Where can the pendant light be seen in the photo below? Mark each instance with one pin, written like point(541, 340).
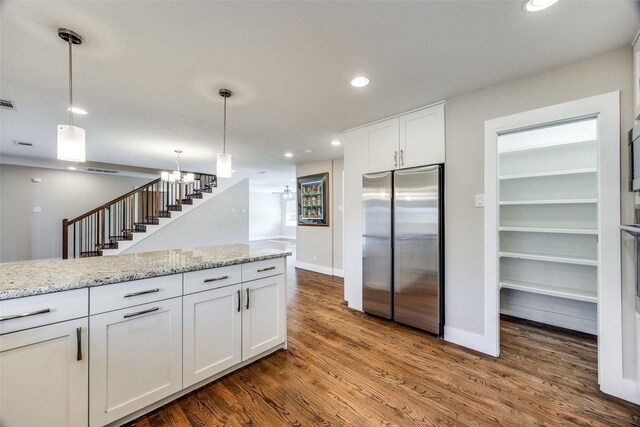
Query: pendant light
point(287, 194)
point(223, 166)
point(71, 145)
point(177, 175)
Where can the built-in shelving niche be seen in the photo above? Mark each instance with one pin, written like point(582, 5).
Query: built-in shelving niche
point(548, 229)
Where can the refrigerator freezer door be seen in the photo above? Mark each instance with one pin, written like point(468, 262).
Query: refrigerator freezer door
point(376, 244)
point(417, 290)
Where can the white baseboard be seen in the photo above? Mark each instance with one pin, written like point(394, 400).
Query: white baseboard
point(338, 272)
point(252, 239)
point(316, 268)
point(470, 340)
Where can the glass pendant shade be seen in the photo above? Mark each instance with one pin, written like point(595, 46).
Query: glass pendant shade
point(223, 169)
point(71, 143)
point(189, 178)
point(164, 176)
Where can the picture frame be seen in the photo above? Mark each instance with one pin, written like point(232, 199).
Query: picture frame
point(313, 200)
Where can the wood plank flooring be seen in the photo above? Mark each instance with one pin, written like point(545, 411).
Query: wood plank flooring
point(345, 368)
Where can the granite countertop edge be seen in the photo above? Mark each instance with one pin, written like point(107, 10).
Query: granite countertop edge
point(73, 285)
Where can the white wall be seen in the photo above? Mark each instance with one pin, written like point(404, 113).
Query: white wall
point(465, 117)
point(222, 219)
point(288, 232)
point(319, 248)
point(25, 235)
point(265, 215)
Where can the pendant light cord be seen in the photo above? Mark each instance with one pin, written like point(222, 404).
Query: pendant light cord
point(224, 132)
point(70, 85)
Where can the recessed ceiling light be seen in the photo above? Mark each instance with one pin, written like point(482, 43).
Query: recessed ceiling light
point(336, 142)
point(72, 168)
point(288, 154)
point(293, 180)
point(537, 5)
point(361, 81)
point(76, 110)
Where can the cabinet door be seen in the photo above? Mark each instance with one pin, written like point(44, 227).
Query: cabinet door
point(136, 358)
point(212, 332)
point(382, 143)
point(42, 382)
point(264, 316)
point(422, 137)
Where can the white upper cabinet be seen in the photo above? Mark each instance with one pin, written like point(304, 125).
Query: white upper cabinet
point(44, 376)
point(412, 139)
point(382, 142)
point(422, 137)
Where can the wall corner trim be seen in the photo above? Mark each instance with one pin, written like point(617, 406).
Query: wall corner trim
point(470, 340)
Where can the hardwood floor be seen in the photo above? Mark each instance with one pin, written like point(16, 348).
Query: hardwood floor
point(346, 368)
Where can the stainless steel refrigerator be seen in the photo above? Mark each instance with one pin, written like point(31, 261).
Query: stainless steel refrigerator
point(403, 246)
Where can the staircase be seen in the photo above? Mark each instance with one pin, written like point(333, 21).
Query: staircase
point(124, 221)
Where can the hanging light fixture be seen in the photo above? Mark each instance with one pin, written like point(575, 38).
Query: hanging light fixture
point(71, 145)
point(176, 175)
point(223, 165)
point(287, 194)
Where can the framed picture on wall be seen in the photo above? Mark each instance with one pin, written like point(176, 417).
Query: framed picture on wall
point(313, 200)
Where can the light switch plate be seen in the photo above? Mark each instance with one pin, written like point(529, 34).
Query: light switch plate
point(479, 200)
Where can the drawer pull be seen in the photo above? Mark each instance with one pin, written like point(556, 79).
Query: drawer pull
point(247, 298)
point(260, 270)
point(135, 294)
point(18, 316)
point(79, 344)
point(215, 279)
point(151, 310)
point(239, 301)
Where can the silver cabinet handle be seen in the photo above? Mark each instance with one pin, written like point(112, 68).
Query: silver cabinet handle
point(247, 299)
point(18, 316)
point(215, 279)
point(395, 158)
point(135, 294)
point(239, 302)
point(401, 157)
point(79, 344)
point(151, 310)
point(260, 270)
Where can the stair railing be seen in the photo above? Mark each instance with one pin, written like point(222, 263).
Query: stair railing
point(103, 227)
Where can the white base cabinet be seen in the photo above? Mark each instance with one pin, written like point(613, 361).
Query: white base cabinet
point(136, 358)
point(264, 315)
point(212, 332)
point(42, 382)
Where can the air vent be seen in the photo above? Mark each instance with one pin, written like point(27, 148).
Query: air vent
point(23, 143)
point(262, 172)
point(98, 170)
point(5, 103)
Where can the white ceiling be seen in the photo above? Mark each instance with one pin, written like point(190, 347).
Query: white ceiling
point(149, 72)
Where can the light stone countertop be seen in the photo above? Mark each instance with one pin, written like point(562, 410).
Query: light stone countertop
point(41, 277)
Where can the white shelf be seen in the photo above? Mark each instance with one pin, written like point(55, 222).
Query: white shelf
point(551, 230)
point(543, 146)
point(551, 290)
point(551, 258)
point(549, 202)
point(549, 173)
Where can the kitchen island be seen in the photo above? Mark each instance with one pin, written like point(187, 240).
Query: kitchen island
point(100, 341)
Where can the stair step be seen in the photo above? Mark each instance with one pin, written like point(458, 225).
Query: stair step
point(206, 190)
point(174, 207)
point(164, 214)
point(196, 195)
point(87, 254)
point(112, 245)
point(127, 236)
point(135, 230)
point(187, 201)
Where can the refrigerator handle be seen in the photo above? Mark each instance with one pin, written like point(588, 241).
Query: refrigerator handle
point(395, 158)
point(401, 157)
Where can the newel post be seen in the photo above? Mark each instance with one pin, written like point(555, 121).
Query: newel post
point(65, 238)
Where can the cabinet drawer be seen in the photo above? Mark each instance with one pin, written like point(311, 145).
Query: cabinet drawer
point(213, 278)
point(260, 269)
point(39, 310)
point(129, 294)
